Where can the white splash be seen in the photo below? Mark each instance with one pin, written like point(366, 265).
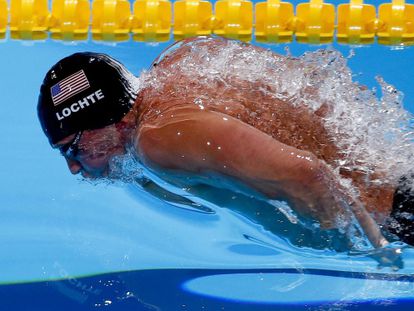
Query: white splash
point(371, 132)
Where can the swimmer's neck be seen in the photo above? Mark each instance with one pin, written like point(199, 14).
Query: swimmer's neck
point(134, 115)
point(128, 125)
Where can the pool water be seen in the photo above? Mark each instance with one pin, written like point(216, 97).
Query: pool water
point(70, 244)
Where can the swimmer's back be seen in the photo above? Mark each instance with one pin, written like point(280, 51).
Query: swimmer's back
point(184, 80)
point(180, 80)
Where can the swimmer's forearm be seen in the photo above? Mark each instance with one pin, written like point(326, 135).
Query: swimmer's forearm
point(369, 226)
point(365, 220)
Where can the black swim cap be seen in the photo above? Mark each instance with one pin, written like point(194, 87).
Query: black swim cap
point(402, 215)
point(84, 91)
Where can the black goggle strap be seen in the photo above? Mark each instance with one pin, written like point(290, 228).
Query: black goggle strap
point(70, 148)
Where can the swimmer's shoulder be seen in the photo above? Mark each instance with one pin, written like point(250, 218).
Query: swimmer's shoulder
point(184, 48)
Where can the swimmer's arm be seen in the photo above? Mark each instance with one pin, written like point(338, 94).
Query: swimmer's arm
point(208, 141)
point(202, 141)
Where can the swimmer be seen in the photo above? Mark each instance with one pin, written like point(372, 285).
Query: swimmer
point(92, 109)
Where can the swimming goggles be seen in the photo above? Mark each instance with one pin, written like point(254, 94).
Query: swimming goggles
point(70, 150)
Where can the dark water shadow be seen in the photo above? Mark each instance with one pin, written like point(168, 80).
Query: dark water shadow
point(163, 290)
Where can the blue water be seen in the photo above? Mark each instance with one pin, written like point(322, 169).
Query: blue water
point(68, 244)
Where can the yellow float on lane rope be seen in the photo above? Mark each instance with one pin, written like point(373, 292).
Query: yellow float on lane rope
point(70, 19)
point(151, 20)
point(29, 19)
point(356, 22)
point(3, 18)
point(111, 20)
point(273, 19)
point(192, 18)
point(234, 19)
point(398, 23)
point(315, 22)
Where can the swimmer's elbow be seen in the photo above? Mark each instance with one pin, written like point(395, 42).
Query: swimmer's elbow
point(317, 170)
point(306, 168)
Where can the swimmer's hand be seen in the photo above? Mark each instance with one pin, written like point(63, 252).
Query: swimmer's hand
point(319, 194)
point(200, 141)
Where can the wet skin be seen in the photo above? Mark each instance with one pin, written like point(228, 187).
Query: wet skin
point(95, 149)
point(287, 156)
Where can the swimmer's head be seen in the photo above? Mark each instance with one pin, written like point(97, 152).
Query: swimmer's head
point(84, 91)
point(402, 216)
point(83, 104)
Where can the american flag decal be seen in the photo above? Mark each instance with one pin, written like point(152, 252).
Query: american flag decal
point(68, 87)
